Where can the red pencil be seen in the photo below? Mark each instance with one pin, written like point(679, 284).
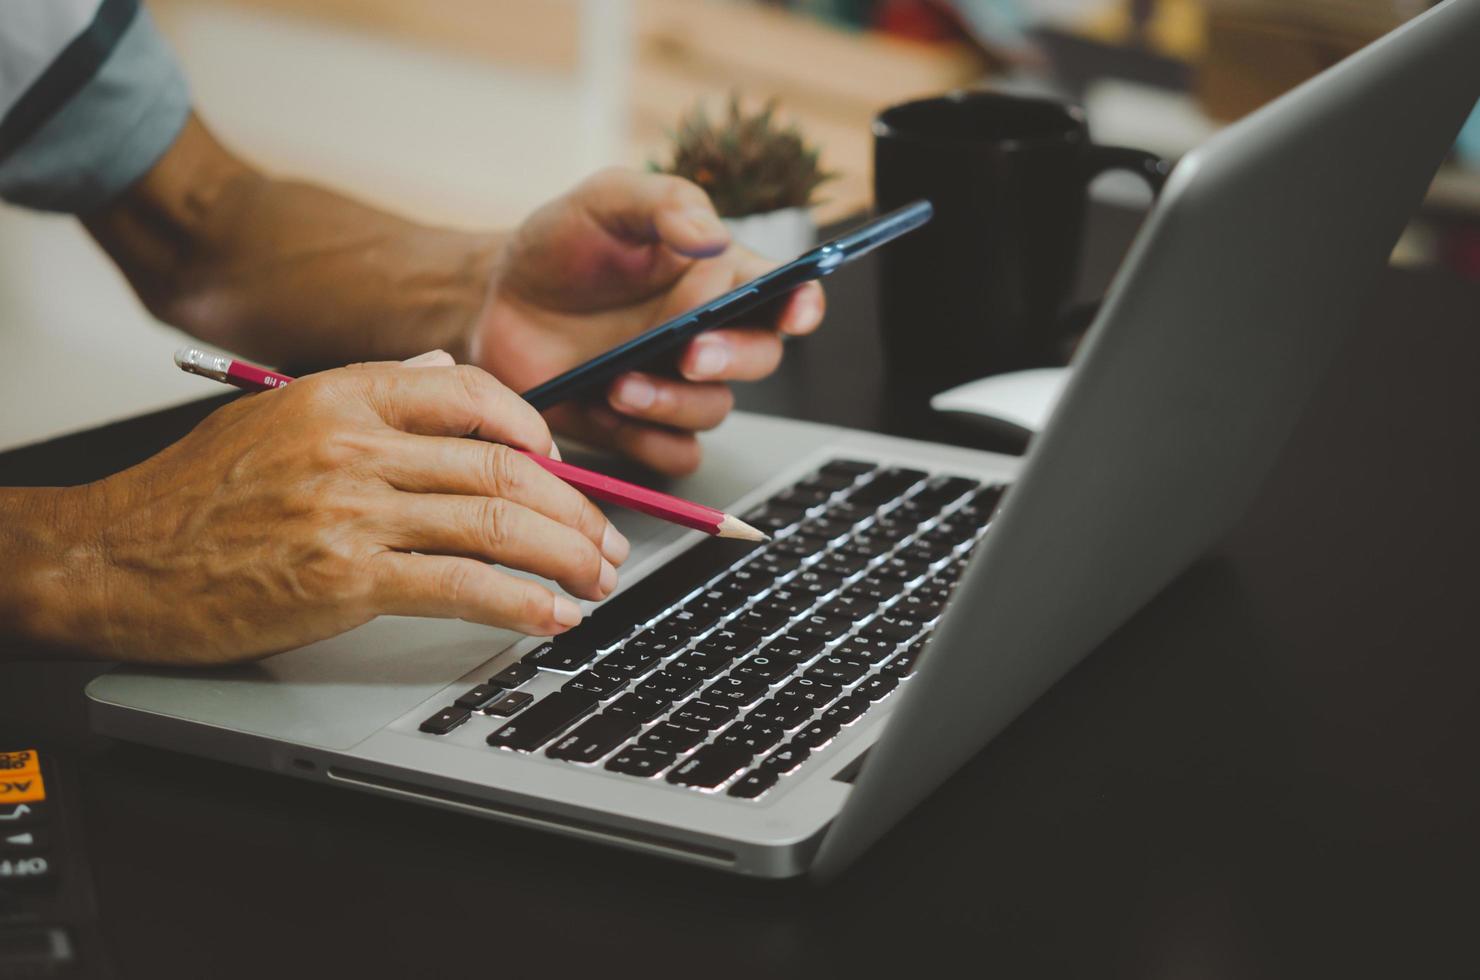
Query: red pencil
point(664, 506)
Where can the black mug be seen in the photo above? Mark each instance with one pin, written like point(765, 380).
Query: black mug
point(983, 288)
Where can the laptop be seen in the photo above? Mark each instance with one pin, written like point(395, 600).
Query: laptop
point(771, 710)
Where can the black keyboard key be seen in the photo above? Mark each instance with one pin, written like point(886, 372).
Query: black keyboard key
point(786, 759)
point(780, 714)
point(702, 714)
point(904, 664)
point(593, 738)
point(892, 529)
point(801, 495)
point(709, 767)
point(845, 711)
point(765, 668)
point(543, 720)
point(773, 517)
point(627, 663)
point(852, 467)
point(788, 600)
point(641, 760)
point(762, 619)
point(919, 606)
point(870, 648)
point(810, 692)
point(751, 736)
point(737, 691)
point(876, 589)
point(716, 602)
point(899, 569)
point(515, 675)
point(667, 687)
point(830, 528)
point(657, 592)
point(797, 546)
point(982, 507)
point(814, 583)
point(510, 704)
point(885, 486)
point(561, 656)
point(598, 685)
point(853, 608)
point(774, 564)
point(844, 510)
point(876, 687)
point(746, 581)
point(658, 644)
point(865, 546)
point(798, 649)
point(445, 720)
point(753, 784)
point(700, 666)
point(479, 696)
point(926, 551)
point(944, 490)
point(639, 708)
point(815, 735)
point(841, 564)
point(672, 737)
point(837, 670)
point(733, 643)
point(686, 622)
point(893, 627)
point(821, 627)
point(830, 480)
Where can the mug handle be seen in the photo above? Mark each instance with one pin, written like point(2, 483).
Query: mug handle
point(1148, 166)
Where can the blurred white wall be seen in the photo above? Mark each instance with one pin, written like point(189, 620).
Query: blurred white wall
point(439, 137)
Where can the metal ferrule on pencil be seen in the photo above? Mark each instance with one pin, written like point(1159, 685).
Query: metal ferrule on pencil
point(197, 361)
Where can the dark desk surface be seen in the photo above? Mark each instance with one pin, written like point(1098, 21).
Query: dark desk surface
point(1269, 772)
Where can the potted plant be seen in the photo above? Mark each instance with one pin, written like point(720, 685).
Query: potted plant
point(761, 175)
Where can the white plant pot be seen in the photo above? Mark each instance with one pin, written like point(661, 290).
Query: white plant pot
point(781, 235)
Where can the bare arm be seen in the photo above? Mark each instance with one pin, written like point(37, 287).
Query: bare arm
point(288, 272)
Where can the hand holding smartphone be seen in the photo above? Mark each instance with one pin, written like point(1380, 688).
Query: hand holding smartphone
point(774, 285)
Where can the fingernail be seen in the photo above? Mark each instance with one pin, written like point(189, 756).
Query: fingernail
point(566, 612)
point(608, 577)
point(706, 223)
point(808, 313)
point(636, 393)
point(614, 545)
point(430, 357)
point(555, 453)
point(711, 358)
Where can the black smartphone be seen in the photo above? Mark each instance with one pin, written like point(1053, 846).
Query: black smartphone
point(775, 285)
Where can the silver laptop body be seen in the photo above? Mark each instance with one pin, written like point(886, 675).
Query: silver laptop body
point(1243, 283)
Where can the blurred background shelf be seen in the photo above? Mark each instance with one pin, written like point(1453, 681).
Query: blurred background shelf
point(473, 112)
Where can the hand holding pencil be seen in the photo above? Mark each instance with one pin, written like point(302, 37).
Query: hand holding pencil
point(675, 510)
point(296, 515)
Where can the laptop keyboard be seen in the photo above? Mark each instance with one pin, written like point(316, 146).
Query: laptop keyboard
point(730, 687)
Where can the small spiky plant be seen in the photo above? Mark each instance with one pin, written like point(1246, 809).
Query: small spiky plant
point(748, 163)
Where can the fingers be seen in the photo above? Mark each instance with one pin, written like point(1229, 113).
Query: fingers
point(501, 531)
point(465, 588)
point(732, 354)
point(647, 208)
point(668, 451)
point(663, 401)
point(452, 401)
point(481, 470)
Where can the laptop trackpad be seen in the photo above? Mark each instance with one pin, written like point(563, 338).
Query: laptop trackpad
point(331, 694)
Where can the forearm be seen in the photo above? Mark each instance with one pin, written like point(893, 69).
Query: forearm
point(48, 590)
point(287, 272)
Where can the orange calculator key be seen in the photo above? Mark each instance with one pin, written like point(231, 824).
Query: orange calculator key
point(20, 777)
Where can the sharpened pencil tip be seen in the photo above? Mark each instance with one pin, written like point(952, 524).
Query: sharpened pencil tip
point(734, 527)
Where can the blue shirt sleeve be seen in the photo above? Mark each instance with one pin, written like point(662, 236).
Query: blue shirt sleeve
point(102, 113)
